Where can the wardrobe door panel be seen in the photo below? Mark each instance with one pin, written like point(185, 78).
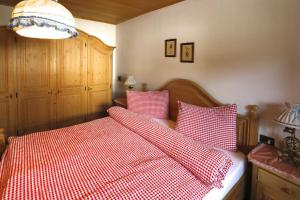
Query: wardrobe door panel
point(7, 78)
point(99, 102)
point(36, 84)
point(99, 78)
point(69, 109)
point(35, 113)
point(36, 66)
point(98, 67)
point(71, 81)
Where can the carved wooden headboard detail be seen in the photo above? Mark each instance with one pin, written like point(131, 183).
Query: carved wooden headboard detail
point(189, 92)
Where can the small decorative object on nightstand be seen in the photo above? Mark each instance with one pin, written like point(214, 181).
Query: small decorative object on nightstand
point(273, 179)
point(130, 82)
point(122, 102)
point(290, 118)
point(144, 87)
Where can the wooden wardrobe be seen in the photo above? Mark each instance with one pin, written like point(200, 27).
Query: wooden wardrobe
point(47, 84)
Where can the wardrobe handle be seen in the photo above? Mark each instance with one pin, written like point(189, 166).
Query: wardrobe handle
point(50, 92)
point(89, 88)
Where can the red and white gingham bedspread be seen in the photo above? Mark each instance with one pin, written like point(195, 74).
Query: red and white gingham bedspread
point(102, 159)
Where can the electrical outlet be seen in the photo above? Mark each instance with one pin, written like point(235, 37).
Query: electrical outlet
point(119, 78)
point(266, 140)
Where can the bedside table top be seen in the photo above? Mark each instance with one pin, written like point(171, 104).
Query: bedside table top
point(121, 101)
point(266, 156)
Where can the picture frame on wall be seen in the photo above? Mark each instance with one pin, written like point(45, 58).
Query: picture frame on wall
point(187, 52)
point(170, 47)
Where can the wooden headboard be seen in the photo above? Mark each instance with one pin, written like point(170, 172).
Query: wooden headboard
point(189, 92)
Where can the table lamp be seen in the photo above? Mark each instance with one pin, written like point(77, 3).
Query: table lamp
point(130, 82)
point(290, 118)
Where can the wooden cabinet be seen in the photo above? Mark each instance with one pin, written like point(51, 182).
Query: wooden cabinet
point(46, 84)
point(270, 186)
point(7, 82)
point(99, 78)
point(36, 84)
point(72, 81)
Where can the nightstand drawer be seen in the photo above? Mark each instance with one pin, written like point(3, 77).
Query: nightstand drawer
point(277, 187)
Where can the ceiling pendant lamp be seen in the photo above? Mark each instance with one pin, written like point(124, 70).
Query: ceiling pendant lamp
point(44, 19)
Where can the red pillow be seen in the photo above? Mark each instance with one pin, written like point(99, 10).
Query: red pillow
point(212, 126)
point(153, 103)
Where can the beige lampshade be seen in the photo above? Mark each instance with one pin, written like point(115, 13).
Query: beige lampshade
point(290, 117)
point(130, 81)
point(44, 19)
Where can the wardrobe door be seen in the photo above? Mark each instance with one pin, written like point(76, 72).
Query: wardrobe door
point(99, 78)
point(36, 84)
point(71, 81)
point(7, 78)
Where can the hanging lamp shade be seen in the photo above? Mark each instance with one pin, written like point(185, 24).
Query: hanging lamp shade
point(45, 19)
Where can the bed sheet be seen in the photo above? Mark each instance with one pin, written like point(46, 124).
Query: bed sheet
point(235, 172)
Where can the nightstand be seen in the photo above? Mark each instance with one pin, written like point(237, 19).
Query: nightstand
point(273, 179)
point(122, 102)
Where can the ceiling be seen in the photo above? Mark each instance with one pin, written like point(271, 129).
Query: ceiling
point(109, 11)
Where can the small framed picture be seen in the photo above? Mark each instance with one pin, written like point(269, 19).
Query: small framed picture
point(170, 48)
point(187, 52)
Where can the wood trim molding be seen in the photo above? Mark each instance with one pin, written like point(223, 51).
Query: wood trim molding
point(108, 47)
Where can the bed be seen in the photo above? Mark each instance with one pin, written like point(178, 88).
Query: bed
point(123, 156)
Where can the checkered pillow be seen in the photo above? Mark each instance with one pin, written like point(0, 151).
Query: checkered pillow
point(153, 103)
point(212, 126)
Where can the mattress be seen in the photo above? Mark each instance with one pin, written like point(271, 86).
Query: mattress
point(235, 172)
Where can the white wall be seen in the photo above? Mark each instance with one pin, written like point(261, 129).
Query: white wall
point(245, 51)
point(105, 32)
point(5, 13)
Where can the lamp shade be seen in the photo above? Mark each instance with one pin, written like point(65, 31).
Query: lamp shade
point(290, 117)
point(130, 81)
point(44, 19)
